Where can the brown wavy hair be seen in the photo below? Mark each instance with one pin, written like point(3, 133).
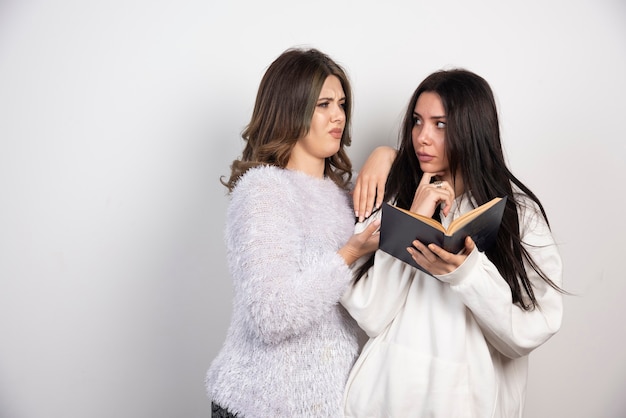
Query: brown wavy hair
point(283, 110)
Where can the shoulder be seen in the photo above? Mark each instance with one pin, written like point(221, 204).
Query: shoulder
point(525, 204)
point(287, 187)
point(277, 190)
point(261, 176)
point(261, 197)
point(263, 182)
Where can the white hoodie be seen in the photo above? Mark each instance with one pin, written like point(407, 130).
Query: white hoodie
point(454, 345)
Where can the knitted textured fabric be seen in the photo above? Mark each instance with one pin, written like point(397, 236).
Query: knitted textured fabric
point(290, 345)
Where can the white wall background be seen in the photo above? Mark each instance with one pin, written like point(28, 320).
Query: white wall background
point(117, 119)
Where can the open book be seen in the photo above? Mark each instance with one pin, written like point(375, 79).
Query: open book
point(399, 228)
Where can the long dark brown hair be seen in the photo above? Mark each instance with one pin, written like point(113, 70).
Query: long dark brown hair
point(283, 110)
point(474, 151)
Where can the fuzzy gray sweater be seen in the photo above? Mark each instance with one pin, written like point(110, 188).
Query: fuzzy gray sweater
point(290, 345)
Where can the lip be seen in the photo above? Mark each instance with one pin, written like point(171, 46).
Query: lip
point(336, 133)
point(424, 158)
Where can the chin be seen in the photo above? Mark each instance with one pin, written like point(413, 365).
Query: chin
point(334, 151)
point(432, 168)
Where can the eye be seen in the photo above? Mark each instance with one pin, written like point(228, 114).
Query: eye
point(441, 125)
point(323, 104)
point(417, 121)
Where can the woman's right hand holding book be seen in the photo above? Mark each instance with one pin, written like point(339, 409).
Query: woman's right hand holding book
point(362, 243)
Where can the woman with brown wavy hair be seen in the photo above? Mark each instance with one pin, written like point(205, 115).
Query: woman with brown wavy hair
point(289, 238)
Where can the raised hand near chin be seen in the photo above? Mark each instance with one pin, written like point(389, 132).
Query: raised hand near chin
point(429, 196)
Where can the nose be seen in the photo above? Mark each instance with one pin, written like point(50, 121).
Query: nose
point(338, 114)
point(421, 134)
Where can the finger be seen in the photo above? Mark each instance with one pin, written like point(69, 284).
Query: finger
point(440, 252)
point(426, 179)
point(446, 196)
point(356, 198)
point(425, 251)
point(380, 193)
point(418, 244)
point(363, 212)
point(446, 203)
point(416, 255)
point(454, 260)
point(469, 245)
point(356, 194)
point(421, 255)
point(372, 191)
point(373, 228)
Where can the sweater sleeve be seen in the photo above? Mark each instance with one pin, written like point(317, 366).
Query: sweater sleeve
point(281, 292)
point(513, 331)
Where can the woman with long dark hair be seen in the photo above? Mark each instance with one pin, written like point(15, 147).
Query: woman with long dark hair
point(456, 344)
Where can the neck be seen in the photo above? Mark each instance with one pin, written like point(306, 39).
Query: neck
point(459, 186)
point(312, 166)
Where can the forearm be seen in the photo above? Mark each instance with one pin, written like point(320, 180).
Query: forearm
point(510, 329)
point(287, 300)
point(285, 279)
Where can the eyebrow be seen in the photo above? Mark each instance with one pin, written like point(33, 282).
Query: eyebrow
point(330, 98)
point(432, 117)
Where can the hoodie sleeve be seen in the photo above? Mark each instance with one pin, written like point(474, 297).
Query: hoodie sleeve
point(513, 331)
point(375, 299)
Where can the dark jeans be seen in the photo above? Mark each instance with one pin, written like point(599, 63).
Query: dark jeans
point(219, 412)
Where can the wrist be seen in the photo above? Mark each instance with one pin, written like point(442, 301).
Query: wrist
point(349, 255)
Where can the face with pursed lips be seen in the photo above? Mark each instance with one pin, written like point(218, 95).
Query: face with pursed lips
point(327, 124)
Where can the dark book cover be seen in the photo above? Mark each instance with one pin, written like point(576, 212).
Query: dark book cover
point(399, 229)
